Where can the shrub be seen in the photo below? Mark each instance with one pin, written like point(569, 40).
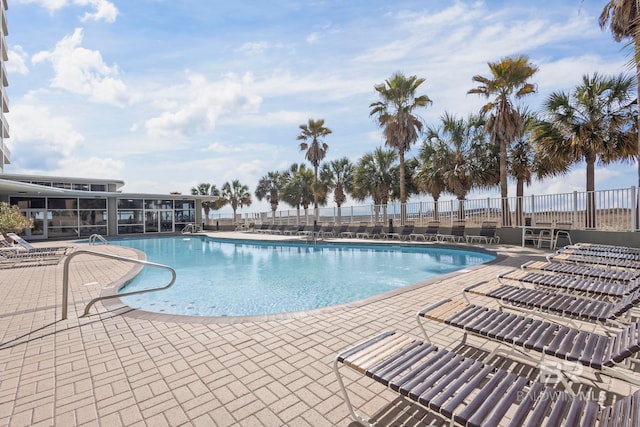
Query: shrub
point(12, 220)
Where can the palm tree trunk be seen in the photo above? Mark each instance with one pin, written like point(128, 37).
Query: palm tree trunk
point(461, 209)
point(436, 212)
point(519, 202)
point(637, 46)
point(590, 214)
point(403, 195)
point(506, 214)
point(315, 192)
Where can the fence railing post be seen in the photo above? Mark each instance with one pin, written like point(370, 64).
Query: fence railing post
point(634, 208)
point(575, 209)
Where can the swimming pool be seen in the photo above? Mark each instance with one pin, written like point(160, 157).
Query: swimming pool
point(244, 278)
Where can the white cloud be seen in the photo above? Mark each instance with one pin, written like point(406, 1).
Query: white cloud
point(17, 61)
point(83, 71)
point(95, 167)
point(40, 141)
point(197, 104)
point(36, 128)
point(226, 149)
point(104, 10)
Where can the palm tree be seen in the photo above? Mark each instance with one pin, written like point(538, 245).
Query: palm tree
point(313, 131)
point(269, 188)
point(297, 188)
point(525, 161)
point(621, 16)
point(337, 175)
point(593, 122)
point(508, 78)
point(206, 189)
point(236, 194)
point(430, 175)
point(375, 176)
point(460, 148)
point(395, 115)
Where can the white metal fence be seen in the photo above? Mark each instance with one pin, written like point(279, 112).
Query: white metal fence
point(612, 210)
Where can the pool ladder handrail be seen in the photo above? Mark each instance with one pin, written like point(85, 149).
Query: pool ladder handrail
point(94, 238)
point(65, 279)
point(190, 228)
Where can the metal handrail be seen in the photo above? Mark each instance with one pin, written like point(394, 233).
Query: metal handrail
point(190, 228)
point(65, 279)
point(94, 237)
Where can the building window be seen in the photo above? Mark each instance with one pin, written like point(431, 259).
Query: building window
point(28, 202)
point(55, 203)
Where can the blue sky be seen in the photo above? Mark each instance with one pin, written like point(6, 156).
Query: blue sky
point(167, 94)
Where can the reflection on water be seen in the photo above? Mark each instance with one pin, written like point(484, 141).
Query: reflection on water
point(225, 278)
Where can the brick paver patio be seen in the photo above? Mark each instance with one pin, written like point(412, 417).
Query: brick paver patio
point(122, 367)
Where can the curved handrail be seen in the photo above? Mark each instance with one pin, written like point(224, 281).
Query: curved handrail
point(65, 278)
point(94, 237)
point(190, 228)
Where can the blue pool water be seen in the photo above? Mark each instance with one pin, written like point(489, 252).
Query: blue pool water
point(243, 278)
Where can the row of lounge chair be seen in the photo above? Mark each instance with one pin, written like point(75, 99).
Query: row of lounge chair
point(434, 232)
point(20, 253)
point(471, 392)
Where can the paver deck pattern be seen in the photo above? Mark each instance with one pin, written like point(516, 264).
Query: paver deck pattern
point(119, 366)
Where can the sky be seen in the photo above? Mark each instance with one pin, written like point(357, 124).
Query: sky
point(165, 95)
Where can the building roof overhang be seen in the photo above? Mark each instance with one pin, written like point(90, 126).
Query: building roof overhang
point(16, 188)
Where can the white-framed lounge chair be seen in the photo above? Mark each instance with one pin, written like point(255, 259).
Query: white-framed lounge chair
point(264, 227)
point(327, 231)
point(61, 250)
point(11, 258)
point(535, 338)
point(278, 229)
point(487, 233)
point(376, 231)
point(339, 230)
point(404, 234)
point(601, 253)
point(469, 392)
point(605, 313)
point(604, 273)
point(348, 233)
point(296, 229)
point(594, 260)
point(430, 234)
point(315, 231)
point(456, 234)
point(608, 248)
point(566, 283)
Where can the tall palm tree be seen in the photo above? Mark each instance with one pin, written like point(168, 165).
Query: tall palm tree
point(622, 17)
point(461, 148)
point(375, 176)
point(509, 77)
point(206, 189)
point(236, 194)
point(337, 175)
point(297, 188)
point(526, 161)
point(395, 115)
point(593, 122)
point(430, 175)
point(311, 134)
point(269, 188)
